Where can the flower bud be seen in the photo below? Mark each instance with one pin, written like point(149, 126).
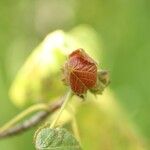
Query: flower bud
point(80, 72)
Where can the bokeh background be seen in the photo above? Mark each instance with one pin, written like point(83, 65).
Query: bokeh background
point(123, 29)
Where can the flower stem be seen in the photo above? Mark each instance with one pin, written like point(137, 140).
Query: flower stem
point(19, 117)
point(67, 98)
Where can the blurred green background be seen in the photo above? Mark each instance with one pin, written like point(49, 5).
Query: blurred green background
point(123, 26)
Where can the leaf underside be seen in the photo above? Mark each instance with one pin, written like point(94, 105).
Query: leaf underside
point(55, 139)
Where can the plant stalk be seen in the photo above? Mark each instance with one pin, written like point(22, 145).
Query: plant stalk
point(68, 97)
point(20, 116)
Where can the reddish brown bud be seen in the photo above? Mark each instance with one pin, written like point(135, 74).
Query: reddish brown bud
point(80, 72)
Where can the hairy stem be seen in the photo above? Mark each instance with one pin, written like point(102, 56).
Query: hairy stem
point(32, 121)
point(19, 117)
point(68, 97)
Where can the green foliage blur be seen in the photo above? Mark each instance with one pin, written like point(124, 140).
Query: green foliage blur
point(123, 32)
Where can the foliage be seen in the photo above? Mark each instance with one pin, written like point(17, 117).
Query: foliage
point(55, 139)
point(33, 75)
point(121, 29)
point(40, 73)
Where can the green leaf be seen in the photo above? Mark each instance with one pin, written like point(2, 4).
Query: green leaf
point(39, 79)
point(55, 139)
